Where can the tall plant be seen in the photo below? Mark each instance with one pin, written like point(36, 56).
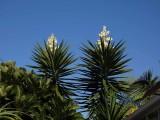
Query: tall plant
point(55, 62)
point(103, 66)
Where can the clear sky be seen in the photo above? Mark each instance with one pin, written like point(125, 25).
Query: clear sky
point(25, 22)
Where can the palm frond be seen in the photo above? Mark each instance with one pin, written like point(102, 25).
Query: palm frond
point(145, 87)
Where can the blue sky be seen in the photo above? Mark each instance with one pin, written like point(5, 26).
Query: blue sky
point(23, 23)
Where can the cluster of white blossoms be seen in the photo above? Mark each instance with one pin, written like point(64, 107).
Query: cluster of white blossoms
point(51, 42)
point(104, 37)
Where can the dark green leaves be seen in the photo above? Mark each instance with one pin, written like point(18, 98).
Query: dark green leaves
point(102, 63)
point(145, 87)
point(108, 108)
point(47, 94)
point(55, 64)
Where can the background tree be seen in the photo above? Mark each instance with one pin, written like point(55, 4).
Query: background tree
point(15, 89)
point(140, 87)
point(32, 97)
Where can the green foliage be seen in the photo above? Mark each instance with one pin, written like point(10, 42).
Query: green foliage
point(56, 65)
point(101, 87)
point(7, 113)
point(33, 95)
point(63, 109)
point(109, 109)
point(141, 87)
point(102, 67)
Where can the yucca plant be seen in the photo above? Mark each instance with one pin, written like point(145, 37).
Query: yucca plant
point(103, 63)
point(109, 108)
point(55, 62)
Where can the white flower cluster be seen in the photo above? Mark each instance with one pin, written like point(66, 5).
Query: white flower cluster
point(51, 42)
point(104, 37)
